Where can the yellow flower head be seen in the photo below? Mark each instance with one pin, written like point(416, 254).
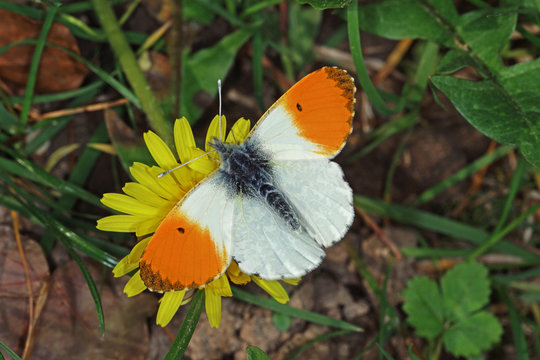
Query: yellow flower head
point(147, 201)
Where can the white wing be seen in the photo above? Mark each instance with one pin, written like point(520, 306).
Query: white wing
point(321, 197)
point(263, 245)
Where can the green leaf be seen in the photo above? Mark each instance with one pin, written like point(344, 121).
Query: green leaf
point(485, 32)
point(465, 289)
point(401, 19)
point(254, 353)
point(281, 321)
point(506, 109)
point(326, 4)
point(202, 71)
point(304, 23)
point(195, 10)
point(8, 121)
point(454, 60)
point(473, 335)
point(424, 306)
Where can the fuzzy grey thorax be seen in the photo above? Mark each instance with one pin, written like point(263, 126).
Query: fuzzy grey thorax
point(247, 170)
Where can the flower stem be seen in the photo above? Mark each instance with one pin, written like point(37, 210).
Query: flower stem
point(131, 68)
point(183, 336)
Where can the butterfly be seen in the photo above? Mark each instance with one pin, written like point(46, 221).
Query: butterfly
point(274, 203)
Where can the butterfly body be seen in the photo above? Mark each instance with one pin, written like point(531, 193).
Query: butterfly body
point(246, 170)
point(276, 201)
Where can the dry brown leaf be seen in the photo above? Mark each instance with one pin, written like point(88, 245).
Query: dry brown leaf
point(57, 71)
point(14, 305)
point(68, 327)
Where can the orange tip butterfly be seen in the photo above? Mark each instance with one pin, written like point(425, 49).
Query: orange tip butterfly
point(275, 202)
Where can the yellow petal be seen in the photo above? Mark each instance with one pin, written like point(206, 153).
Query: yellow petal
point(212, 302)
point(220, 286)
point(292, 281)
point(150, 225)
point(135, 285)
point(141, 173)
point(183, 139)
point(128, 205)
point(214, 132)
point(169, 182)
point(159, 151)
point(144, 195)
point(131, 261)
point(170, 302)
point(120, 223)
point(204, 165)
point(237, 276)
point(124, 266)
point(272, 287)
point(239, 131)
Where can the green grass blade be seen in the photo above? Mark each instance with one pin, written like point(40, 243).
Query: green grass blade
point(67, 237)
point(90, 283)
point(520, 342)
point(384, 132)
point(462, 174)
point(25, 168)
point(313, 341)
point(515, 184)
point(9, 351)
point(389, 181)
point(358, 58)
point(34, 65)
point(434, 253)
point(498, 236)
point(103, 75)
point(524, 275)
point(64, 95)
point(189, 324)
point(258, 52)
point(387, 356)
point(218, 10)
point(258, 6)
point(133, 72)
point(49, 127)
point(425, 220)
point(78, 176)
point(273, 305)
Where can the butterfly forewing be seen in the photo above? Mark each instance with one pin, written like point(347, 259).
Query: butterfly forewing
point(192, 246)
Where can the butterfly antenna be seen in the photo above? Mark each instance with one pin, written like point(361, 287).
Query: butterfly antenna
point(219, 113)
point(187, 162)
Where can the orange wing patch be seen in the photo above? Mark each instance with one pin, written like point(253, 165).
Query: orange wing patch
point(181, 255)
point(322, 105)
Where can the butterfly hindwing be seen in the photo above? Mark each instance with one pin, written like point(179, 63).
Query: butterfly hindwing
point(192, 245)
point(319, 194)
point(265, 246)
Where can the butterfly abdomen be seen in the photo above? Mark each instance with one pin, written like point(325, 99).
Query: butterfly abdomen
point(247, 172)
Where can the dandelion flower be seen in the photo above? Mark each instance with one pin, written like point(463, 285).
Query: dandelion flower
point(148, 200)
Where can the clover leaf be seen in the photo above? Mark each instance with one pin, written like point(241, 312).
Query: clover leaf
point(452, 313)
